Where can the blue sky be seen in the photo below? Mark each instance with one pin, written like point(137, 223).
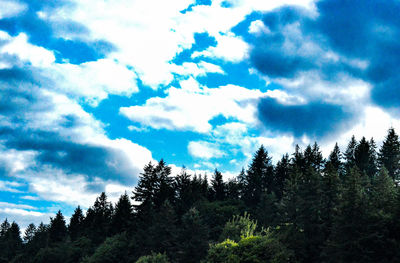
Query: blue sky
point(91, 91)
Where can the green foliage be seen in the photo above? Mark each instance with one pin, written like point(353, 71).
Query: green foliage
point(114, 249)
point(239, 227)
point(153, 258)
point(254, 249)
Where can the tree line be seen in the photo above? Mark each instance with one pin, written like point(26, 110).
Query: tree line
point(305, 208)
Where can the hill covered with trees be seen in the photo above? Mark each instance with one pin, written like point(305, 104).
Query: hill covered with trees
point(305, 208)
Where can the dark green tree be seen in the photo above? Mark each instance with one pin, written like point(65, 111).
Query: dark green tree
point(29, 233)
point(389, 154)
point(259, 178)
point(335, 160)
point(76, 224)
point(349, 155)
point(282, 170)
point(218, 187)
point(193, 238)
point(122, 218)
point(365, 157)
point(57, 229)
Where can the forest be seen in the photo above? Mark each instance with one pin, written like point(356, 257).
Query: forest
point(302, 208)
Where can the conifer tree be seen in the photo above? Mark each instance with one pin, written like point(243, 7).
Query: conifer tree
point(57, 229)
point(349, 154)
point(282, 170)
point(76, 225)
point(192, 238)
point(347, 241)
point(259, 177)
point(335, 160)
point(122, 218)
point(218, 186)
point(389, 154)
point(29, 233)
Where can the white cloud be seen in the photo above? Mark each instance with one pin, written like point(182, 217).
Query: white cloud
point(199, 69)
point(230, 48)
point(11, 8)
point(256, 27)
point(7, 186)
point(204, 150)
point(192, 107)
point(19, 46)
point(95, 80)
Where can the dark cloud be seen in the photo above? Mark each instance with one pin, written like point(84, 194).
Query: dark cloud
point(313, 119)
point(23, 103)
point(42, 33)
point(364, 35)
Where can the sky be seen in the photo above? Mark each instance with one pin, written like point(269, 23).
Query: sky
point(91, 91)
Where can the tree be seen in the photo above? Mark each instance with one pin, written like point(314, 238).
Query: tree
point(29, 233)
point(349, 154)
point(98, 219)
point(349, 233)
point(281, 175)
point(57, 229)
point(76, 227)
point(153, 258)
point(389, 154)
point(259, 177)
point(218, 186)
point(122, 218)
point(154, 188)
point(239, 227)
point(193, 238)
point(365, 157)
point(335, 160)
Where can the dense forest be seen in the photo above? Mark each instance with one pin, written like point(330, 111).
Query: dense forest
point(305, 208)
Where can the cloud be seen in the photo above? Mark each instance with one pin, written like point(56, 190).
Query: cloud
point(204, 150)
point(313, 119)
point(11, 8)
point(192, 106)
point(336, 39)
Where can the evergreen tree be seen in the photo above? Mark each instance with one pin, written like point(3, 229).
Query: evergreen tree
point(313, 157)
point(218, 190)
point(57, 229)
point(29, 233)
point(282, 170)
point(192, 238)
point(365, 157)
point(389, 154)
point(76, 224)
point(348, 237)
point(98, 219)
point(122, 218)
point(154, 188)
point(259, 177)
point(349, 155)
point(335, 160)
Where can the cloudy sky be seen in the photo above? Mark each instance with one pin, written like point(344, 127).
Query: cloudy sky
point(91, 91)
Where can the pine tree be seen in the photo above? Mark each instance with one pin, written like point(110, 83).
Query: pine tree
point(365, 157)
point(349, 155)
point(313, 157)
point(98, 219)
point(335, 160)
point(29, 233)
point(76, 224)
point(389, 154)
point(193, 236)
point(259, 177)
point(218, 186)
point(348, 237)
point(122, 218)
point(154, 188)
point(57, 229)
point(282, 170)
